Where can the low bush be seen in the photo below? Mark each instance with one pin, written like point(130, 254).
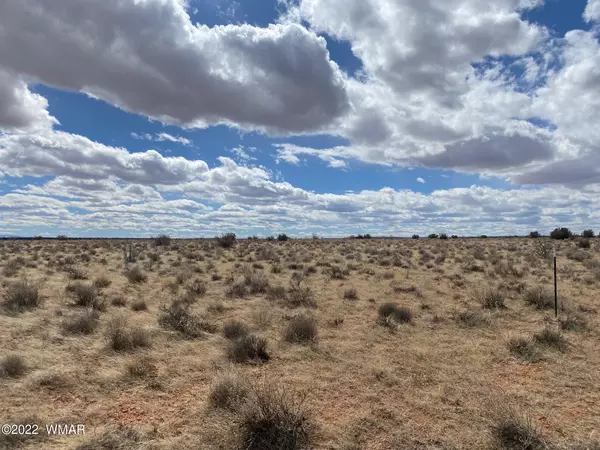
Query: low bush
point(300, 296)
point(85, 295)
point(350, 294)
point(135, 275)
point(21, 296)
point(492, 298)
point(539, 297)
point(139, 305)
point(177, 317)
point(122, 338)
point(524, 349)
point(301, 329)
point(390, 313)
point(234, 329)
point(84, 323)
point(12, 366)
point(551, 338)
point(472, 319)
point(229, 393)
point(249, 349)
point(511, 431)
point(275, 420)
point(141, 367)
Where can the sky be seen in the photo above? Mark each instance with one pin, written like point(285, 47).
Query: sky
point(331, 117)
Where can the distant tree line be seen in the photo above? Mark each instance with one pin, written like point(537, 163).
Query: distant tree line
point(227, 240)
point(564, 233)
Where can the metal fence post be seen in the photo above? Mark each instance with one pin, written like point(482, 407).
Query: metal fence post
point(555, 284)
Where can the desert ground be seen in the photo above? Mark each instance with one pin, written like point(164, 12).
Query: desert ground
point(302, 344)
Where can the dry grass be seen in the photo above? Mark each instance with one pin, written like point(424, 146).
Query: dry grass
point(21, 296)
point(196, 344)
point(273, 419)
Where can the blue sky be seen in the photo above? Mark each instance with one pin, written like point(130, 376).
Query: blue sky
point(310, 116)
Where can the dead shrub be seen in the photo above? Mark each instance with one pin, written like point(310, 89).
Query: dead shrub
point(177, 317)
point(139, 305)
point(551, 338)
point(573, 322)
point(492, 298)
point(512, 431)
point(85, 295)
point(539, 297)
point(302, 329)
point(273, 419)
point(524, 349)
point(21, 296)
point(84, 323)
point(141, 367)
point(234, 329)
point(472, 319)
point(300, 296)
point(390, 313)
point(350, 294)
point(102, 282)
point(12, 366)
point(249, 349)
point(119, 438)
point(229, 393)
point(135, 275)
point(122, 338)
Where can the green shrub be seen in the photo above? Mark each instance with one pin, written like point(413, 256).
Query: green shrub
point(561, 233)
point(226, 240)
point(162, 241)
point(588, 234)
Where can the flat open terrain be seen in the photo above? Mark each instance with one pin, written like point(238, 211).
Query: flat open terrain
point(181, 348)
